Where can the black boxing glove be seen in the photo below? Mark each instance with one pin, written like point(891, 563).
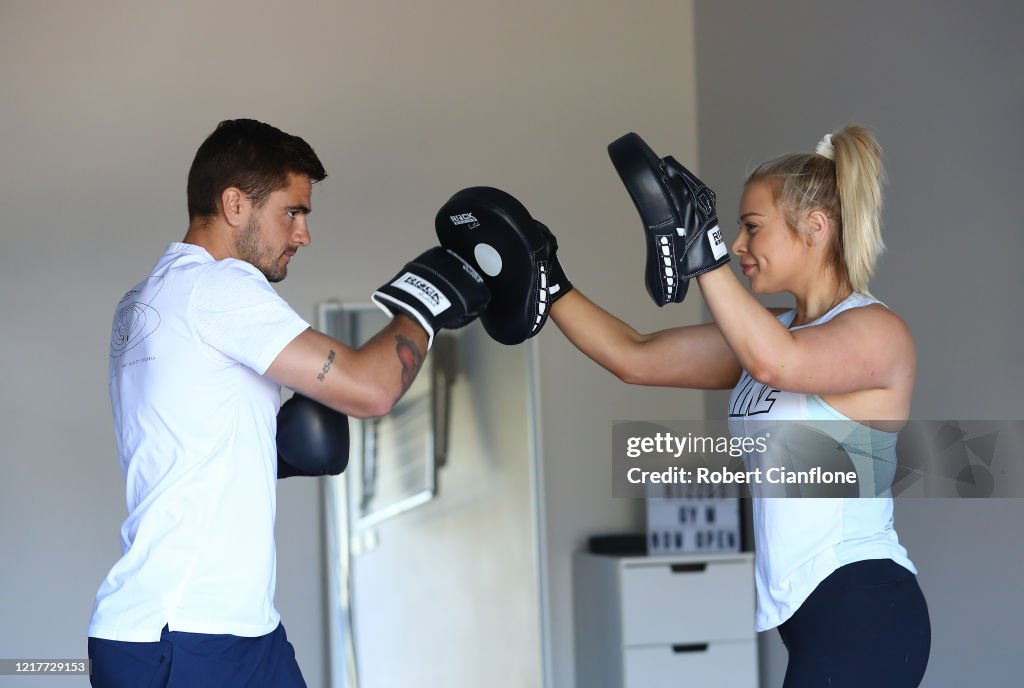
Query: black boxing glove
point(438, 290)
point(312, 439)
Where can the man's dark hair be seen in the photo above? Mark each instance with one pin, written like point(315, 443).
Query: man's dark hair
point(253, 156)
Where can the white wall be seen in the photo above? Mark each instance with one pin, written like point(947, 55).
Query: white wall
point(646, 58)
point(449, 593)
point(104, 104)
point(939, 83)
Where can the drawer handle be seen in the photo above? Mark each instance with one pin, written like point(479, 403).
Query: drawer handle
point(689, 568)
point(692, 647)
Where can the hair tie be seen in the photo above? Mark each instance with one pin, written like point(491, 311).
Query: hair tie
point(825, 148)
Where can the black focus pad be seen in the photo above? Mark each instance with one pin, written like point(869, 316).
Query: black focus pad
point(679, 215)
point(312, 439)
point(494, 233)
point(642, 173)
point(705, 245)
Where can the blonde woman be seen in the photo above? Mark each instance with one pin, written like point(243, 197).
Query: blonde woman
point(831, 574)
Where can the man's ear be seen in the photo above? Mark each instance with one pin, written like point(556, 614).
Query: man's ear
point(235, 206)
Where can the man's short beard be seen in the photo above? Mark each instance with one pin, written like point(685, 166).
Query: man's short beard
point(260, 256)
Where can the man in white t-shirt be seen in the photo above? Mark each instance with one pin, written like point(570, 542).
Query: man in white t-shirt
point(199, 351)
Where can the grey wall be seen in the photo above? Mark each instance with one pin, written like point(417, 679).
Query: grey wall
point(104, 105)
point(645, 60)
point(449, 593)
point(939, 83)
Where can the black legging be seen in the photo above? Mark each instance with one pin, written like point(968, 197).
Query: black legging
point(865, 625)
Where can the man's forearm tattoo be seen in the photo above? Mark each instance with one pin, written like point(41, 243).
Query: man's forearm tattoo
point(327, 366)
point(411, 360)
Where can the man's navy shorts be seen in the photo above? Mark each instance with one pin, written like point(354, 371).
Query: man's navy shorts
point(196, 660)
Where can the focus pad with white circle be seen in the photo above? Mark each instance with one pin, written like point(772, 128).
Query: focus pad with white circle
point(494, 232)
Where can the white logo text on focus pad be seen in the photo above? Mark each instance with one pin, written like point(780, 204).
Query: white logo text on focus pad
point(463, 219)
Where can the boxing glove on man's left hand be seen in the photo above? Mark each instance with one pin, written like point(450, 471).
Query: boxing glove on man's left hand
point(439, 290)
point(312, 439)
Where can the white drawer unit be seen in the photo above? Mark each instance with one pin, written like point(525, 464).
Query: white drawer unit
point(666, 621)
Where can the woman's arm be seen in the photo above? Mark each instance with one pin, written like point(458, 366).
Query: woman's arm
point(695, 356)
point(862, 348)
